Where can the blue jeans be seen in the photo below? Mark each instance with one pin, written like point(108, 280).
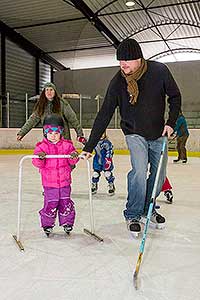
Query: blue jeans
point(145, 155)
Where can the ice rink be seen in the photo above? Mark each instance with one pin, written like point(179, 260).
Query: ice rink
point(78, 267)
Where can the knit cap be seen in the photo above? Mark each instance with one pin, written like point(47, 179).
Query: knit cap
point(50, 84)
point(53, 122)
point(129, 49)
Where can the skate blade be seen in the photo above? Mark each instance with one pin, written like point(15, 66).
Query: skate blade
point(111, 194)
point(153, 225)
point(135, 235)
point(160, 226)
point(68, 233)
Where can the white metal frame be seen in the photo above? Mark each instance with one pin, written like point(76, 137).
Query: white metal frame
point(90, 232)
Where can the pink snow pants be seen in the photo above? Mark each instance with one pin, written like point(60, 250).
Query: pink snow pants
point(57, 200)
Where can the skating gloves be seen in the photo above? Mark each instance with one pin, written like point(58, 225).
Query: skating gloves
point(41, 155)
point(108, 162)
point(74, 155)
point(82, 139)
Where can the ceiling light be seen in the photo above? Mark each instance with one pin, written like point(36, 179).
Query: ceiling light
point(130, 3)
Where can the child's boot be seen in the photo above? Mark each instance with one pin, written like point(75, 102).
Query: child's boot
point(48, 230)
point(68, 228)
point(169, 196)
point(111, 189)
point(94, 187)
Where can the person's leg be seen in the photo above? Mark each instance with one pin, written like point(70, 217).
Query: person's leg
point(183, 152)
point(48, 212)
point(166, 185)
point(138, 147)
point(66, 210)
point(95, 176)
point(178, 146)
point(167, 189)
point(95, 179)
point(155, 148)
point(110, 179)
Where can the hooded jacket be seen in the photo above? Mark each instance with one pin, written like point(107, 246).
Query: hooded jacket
point(68, 114)
point(55, 172)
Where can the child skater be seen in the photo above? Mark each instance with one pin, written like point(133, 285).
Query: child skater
point(102, 161)
point(56, 175)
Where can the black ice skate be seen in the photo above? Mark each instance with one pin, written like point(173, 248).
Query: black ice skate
point(48, 230)
point(169, 196)
point(67, 228)
point(134, 227)
point(94, 188)
point(156, 221)
point(111, 189)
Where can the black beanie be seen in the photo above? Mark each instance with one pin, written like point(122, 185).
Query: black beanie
point(54, 120)
point(129, 49)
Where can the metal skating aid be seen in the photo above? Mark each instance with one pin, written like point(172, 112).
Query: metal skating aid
point(96, 237)
point(19, 244)
point(91, 232)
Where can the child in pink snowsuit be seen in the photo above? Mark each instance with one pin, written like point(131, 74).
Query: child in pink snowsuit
point(56, 175)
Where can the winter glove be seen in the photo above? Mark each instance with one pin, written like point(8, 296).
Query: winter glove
point(108, 162)
point(74, 155)
point(19, 137)
point(41, 155)
point(82, 139)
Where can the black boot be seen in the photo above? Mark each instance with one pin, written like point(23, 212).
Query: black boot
point(169, 196)
point(48, 230)
point(68, 228)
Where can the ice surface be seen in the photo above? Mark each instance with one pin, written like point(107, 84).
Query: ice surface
point(80, 268)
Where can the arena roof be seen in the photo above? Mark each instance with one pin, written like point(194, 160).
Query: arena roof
point(64, 29)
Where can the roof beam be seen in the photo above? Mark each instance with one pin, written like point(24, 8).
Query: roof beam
point(94, 20)
point(30, 47)
point(154, 23)
point(149, 7)
point(49, 23)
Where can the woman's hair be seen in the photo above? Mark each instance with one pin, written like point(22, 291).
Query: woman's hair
point(41, 103)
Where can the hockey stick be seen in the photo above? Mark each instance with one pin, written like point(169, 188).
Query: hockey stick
point(153, 197)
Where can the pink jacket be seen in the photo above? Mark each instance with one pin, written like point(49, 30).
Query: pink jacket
point(55, 172)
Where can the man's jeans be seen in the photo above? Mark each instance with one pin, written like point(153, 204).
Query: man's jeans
point(145, 156)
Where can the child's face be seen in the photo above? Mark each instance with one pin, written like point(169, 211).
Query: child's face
point(53, 133)
point(53, 136)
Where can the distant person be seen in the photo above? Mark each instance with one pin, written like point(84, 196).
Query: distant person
point(56, 175)
point(140, 89)
point(103, 162)
point(182, 134)
point(50, 102)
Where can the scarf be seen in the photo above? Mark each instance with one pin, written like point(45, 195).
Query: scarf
point(132, 79)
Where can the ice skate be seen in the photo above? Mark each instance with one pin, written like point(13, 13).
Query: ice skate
point(67, 228)
point(134, 227)
point(169, 196)
point(176, 161)
point(94, 188)
point(156, 221)
point(111, 189)
point(48, 230)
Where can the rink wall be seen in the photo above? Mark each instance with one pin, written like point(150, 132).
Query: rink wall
point(8, 139)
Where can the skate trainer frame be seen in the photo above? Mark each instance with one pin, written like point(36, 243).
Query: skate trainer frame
point(90, 232)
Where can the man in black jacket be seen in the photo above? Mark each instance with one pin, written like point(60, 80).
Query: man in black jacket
point(139, 89)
